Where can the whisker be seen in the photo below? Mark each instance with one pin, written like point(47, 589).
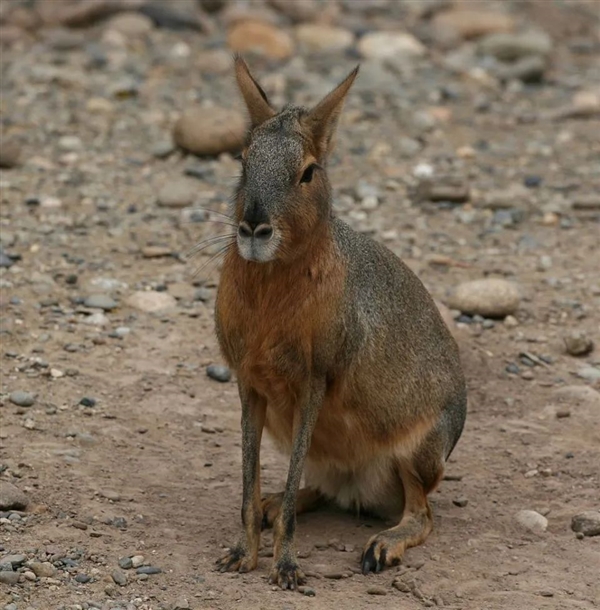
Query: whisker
point(207, 242)
point(202, 208)
point(221, 252)
point(213, 220)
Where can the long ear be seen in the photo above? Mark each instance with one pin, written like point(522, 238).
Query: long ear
point(323, 118)
point(255, 98)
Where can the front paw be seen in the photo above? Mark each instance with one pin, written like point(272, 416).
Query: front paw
point(287, 575)
point(236, 560)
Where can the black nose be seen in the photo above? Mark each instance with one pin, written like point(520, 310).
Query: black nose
point(261, 231)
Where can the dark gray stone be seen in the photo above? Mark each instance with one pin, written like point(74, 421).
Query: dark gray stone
point(22, 399)
point(218, 373)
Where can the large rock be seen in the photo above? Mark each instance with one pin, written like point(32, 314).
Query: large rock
point(387, 45)
point(510, 47)
point(587, 523)
point(42, 569)
point(262, 38)
point(151, 301)
point(305, 10)
point(10, 153)
point(528, 69)
point(11, 497)
point(491, 298)
point(177, 193)
point(318, 38)
point(131, 25)
point(578, 395)
point(9, 578)
point(532, 521)
point(210, 131)
point(451, 27)
point(100, 301)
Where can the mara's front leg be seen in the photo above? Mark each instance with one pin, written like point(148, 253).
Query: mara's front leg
point(286, 572)
point(243, 557)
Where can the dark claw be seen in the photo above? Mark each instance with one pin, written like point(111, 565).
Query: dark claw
point(287, 575)
point(370, 563)
point(224, 563)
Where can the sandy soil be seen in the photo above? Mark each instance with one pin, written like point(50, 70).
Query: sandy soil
point(154, 467)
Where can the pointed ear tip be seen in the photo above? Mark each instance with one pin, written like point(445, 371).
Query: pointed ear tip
point(239, 61)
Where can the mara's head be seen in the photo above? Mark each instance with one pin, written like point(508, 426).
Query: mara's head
point(284, 195)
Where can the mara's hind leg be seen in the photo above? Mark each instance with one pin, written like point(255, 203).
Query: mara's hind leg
point(420, 474)
point(308, 499)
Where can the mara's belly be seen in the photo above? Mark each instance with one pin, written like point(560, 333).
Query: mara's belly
point(342, 439)
point(345, 438)
point(348, 435)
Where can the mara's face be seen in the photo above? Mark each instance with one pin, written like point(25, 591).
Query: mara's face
point(283, 193)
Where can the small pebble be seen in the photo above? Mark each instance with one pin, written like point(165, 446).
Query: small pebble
point(22, 399)
point(100, 301)
point(125, 563)
point(461, 502)
point(122, 331)
point(87, 401)
point(82, 578)
point(578, 343)
point(532, 182)
point(137, 561)
point(119, 577)
point(587, 523)
point(218, 373)
point(308, 591)
point(164, 149)
point(400, 585)
point(42, 569)
point(148, 570)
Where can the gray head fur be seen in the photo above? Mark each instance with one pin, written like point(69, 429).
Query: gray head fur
point(283, 193)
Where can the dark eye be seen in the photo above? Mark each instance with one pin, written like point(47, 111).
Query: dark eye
point(307, 176)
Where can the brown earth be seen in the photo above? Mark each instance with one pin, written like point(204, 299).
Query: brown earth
point(153, 468)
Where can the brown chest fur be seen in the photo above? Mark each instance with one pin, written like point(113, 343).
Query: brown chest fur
point(278, 326)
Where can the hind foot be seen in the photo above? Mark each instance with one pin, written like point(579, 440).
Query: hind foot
point(387, 548)
point(308, 499)
point(236, 560)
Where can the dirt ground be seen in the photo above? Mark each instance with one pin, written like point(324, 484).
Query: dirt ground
point(152, 465)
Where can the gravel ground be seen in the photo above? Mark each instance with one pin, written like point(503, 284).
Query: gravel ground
point(470, 145)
